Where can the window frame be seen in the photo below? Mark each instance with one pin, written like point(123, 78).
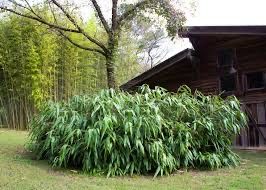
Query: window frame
point(228, 92)
point(246, 81)
point(233, 57)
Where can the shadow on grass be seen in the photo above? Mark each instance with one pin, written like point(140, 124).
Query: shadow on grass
point(21, 155)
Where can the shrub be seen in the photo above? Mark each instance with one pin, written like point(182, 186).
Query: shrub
point(118, 133)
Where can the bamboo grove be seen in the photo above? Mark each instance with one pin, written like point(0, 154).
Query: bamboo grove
point(37, 65)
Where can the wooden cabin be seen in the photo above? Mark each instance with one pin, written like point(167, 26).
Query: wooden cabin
point(225, 59)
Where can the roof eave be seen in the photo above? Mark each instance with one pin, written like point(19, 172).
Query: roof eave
point(158, 68)
point(191, 31)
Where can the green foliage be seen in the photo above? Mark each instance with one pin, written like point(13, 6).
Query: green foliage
point(152, 131)
point(37, 65)
point(148, 10)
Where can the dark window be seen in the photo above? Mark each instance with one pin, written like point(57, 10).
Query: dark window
point(225, 57)
point(228, 83)
point(255, 80)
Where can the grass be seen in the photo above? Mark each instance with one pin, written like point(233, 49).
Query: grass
point(19, 171)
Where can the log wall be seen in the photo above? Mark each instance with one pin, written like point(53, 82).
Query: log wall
point(249, 56)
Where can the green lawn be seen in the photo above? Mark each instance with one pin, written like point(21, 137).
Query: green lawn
point(19, 171)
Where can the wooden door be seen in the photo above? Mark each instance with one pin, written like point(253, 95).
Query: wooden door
point(254, 135)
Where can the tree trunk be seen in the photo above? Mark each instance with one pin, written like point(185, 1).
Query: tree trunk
point(110, 59)
point(110, 68)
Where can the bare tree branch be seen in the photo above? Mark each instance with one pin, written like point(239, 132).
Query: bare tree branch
point(18, 4)
point(72, 41)
point(73, 21)
point(102, 19)
point(81, 46)
point(31, 9)
point(52, 10)
point(51, 25)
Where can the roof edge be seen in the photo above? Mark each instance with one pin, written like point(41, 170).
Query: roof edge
point(186, 53)
point(222, 30)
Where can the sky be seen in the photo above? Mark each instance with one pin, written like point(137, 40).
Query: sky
point(229, 12)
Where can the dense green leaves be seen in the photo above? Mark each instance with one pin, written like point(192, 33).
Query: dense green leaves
point(37, 65)
point(167, 9)
point(152, 131)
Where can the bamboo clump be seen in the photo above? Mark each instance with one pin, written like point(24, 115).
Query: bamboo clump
point(151, 131)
